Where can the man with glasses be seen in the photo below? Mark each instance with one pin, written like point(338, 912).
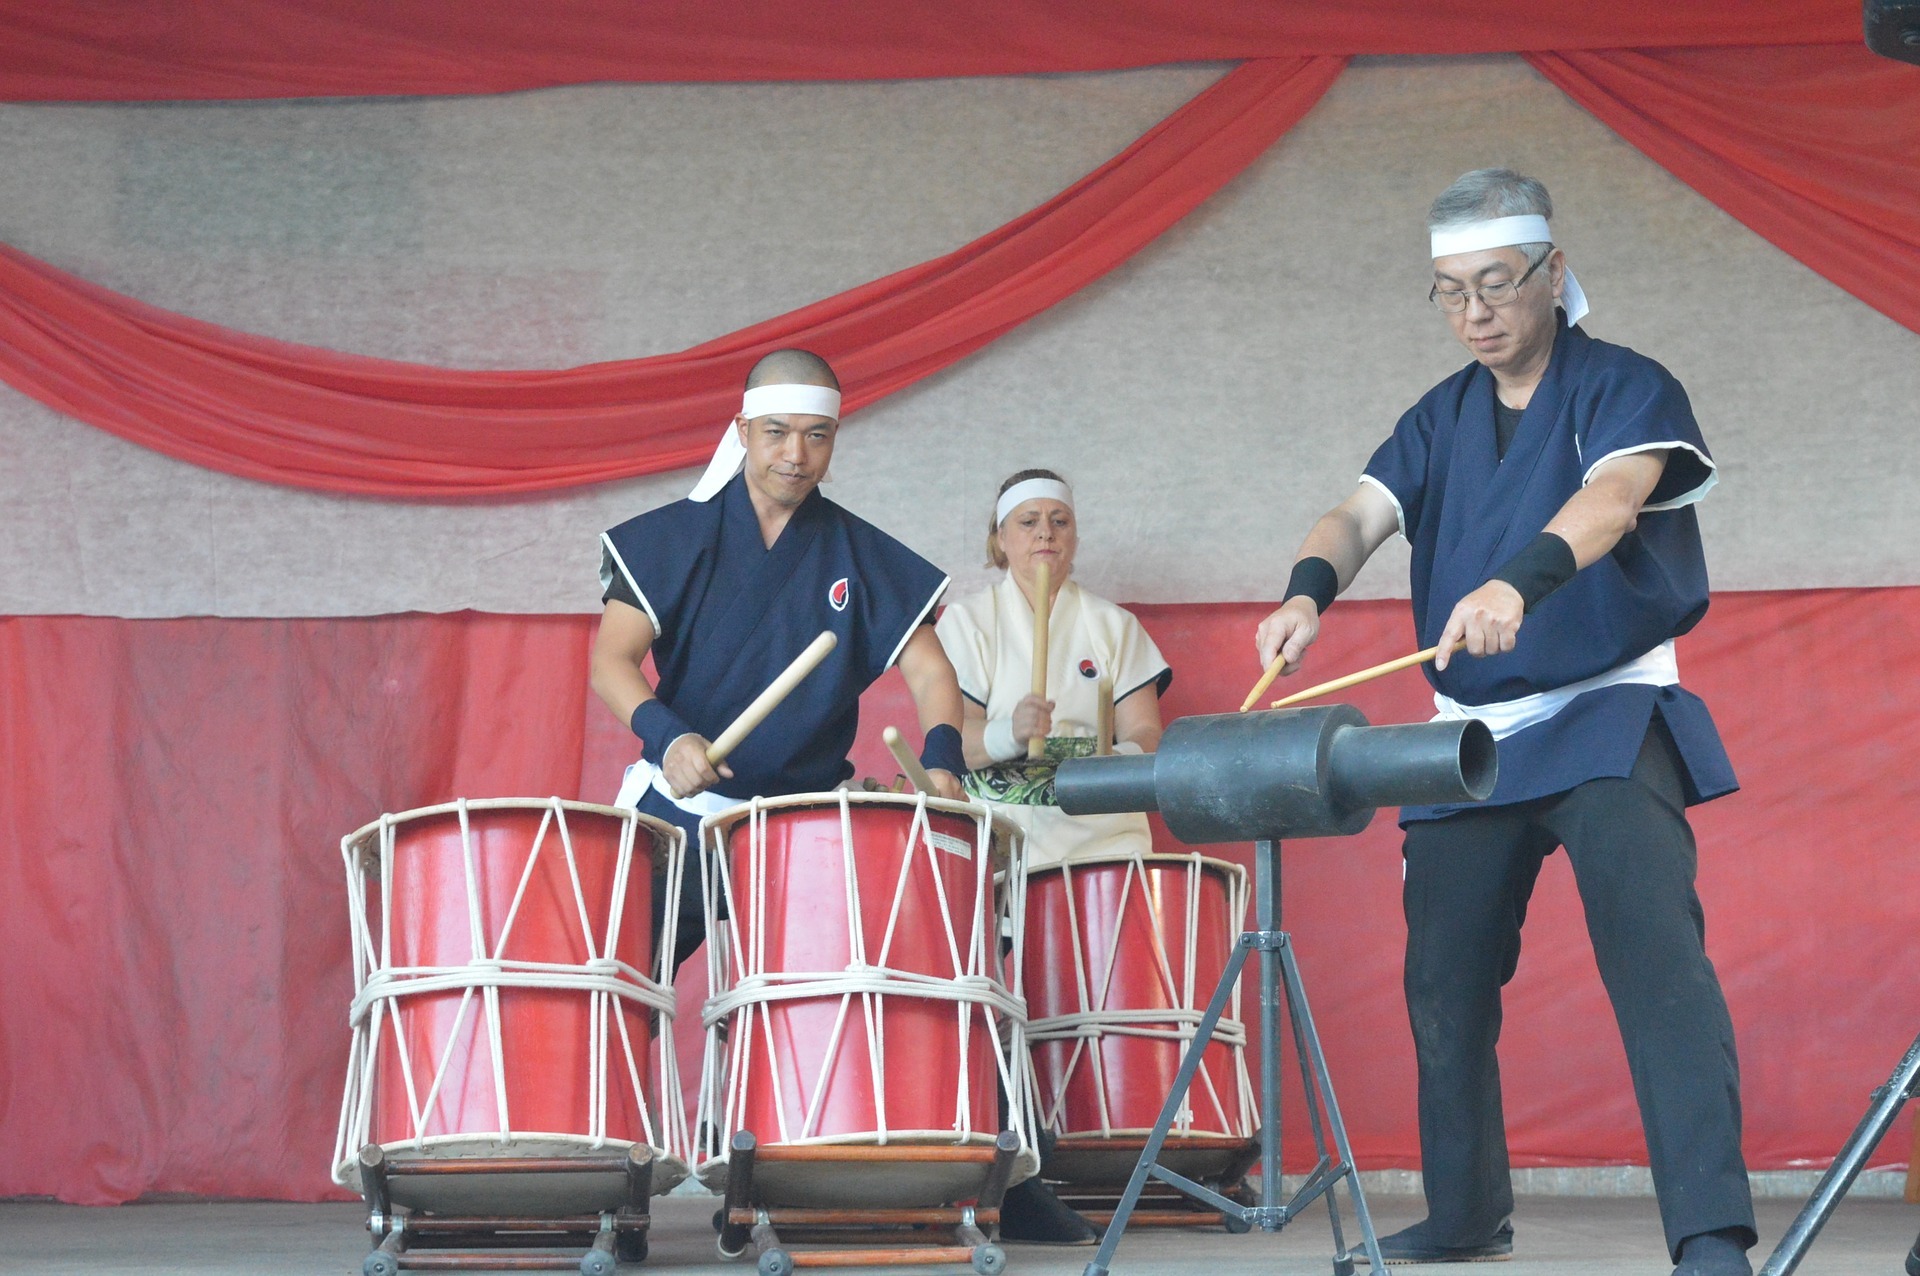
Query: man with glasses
point(1546, 490)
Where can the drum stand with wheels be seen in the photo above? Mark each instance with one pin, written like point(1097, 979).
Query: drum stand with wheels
point(1888, 1099)
point(476, 1242)
point(743, 1220)
point(1335, 1161)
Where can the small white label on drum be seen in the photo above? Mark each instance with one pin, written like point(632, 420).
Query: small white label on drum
point(951, 845)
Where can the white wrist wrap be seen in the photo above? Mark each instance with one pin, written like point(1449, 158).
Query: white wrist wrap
point(998, 740)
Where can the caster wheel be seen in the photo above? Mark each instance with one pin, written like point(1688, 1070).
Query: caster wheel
point(989, 1260)
point(379, 1264)
point(776, 1262)
point(631, 1247)
point(1235, 1226)
point(597, 1263)
point(720, 1218)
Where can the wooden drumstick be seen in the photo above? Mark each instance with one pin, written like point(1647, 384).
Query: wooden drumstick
point(769, 700)
point(1266, 680)
point(909, 765)
point(1103, 721)
point(1365, 675)
point(1042, 608)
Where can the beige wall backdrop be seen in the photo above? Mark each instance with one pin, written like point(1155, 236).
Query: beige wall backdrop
point(1208, 399)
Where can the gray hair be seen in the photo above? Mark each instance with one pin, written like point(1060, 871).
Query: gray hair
point(1486, 193)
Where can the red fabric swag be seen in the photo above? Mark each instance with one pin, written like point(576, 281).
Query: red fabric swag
point(110, 50)
point(1817, 149)
point(306, 417)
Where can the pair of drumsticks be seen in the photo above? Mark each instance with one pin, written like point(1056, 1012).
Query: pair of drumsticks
point(1337, 684)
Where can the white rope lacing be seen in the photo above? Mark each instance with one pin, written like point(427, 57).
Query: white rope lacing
point(973, 981)
point(1177, 1022)
point(614, 989)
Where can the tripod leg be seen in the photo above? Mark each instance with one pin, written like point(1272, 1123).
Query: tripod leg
point(1309, 1038)
point(1176, 1095)
point(1887, 1102)
point(1314, 1123)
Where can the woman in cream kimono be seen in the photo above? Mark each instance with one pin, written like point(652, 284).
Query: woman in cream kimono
point(1090, 643)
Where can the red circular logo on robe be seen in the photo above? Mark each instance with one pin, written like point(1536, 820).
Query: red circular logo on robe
point(837, 595)
point(1087, 669)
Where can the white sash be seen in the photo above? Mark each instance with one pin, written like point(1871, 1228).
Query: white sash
point(1659, 668)
point(644, 775)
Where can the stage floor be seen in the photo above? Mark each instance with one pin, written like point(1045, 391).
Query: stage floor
point(1556, 1236)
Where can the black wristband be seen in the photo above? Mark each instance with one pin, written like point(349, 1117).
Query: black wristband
point(1314, 578)
point(657, 726)
point(942, 752)
point(1542, 567)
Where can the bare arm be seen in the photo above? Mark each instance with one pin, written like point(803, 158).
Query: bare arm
point(1591, 523)
point(619, 648)
point(1346, 536)
point(936, 694)
point(618, 677)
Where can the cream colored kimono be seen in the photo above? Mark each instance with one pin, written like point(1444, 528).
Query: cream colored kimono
point(989, 639)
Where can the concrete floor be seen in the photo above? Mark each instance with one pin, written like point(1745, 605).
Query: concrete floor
point(1556, 1236)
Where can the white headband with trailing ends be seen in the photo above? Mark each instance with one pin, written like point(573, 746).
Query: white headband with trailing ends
point(1032, 489)
point(1510, 232)
point(762, 400)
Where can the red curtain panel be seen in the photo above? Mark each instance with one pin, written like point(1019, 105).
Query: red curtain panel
point(1814, 148)
point(307, 417)
point(175, 982)
point(111, 50)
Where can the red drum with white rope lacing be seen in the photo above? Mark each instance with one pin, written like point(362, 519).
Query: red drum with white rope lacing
point(861, 990)
point(504, 996)
point(1122, 954)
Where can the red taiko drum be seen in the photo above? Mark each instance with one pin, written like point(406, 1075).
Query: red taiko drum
point(861, 995)
point(1122, 955)
point(503, 969)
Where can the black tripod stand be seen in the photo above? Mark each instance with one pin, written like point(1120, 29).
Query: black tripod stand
point(1232, 777)
point(1886, 1105)
point(1334, 1163)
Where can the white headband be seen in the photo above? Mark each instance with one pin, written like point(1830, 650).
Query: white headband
point(762, 400)
point(1032, 489)
point(801, 400)
point(1510, 232)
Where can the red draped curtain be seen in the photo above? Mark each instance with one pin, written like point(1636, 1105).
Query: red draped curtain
point(283, 413)
point(112, 50)
point(1815, 148)
point(1813, 143)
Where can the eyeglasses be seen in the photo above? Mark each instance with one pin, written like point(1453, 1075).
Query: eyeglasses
point(1455, 300)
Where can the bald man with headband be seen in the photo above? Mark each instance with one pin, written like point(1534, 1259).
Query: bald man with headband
point(1547, 492)
point(726, 587)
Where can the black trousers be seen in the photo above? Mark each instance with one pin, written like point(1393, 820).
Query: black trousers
point(1469, 878)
